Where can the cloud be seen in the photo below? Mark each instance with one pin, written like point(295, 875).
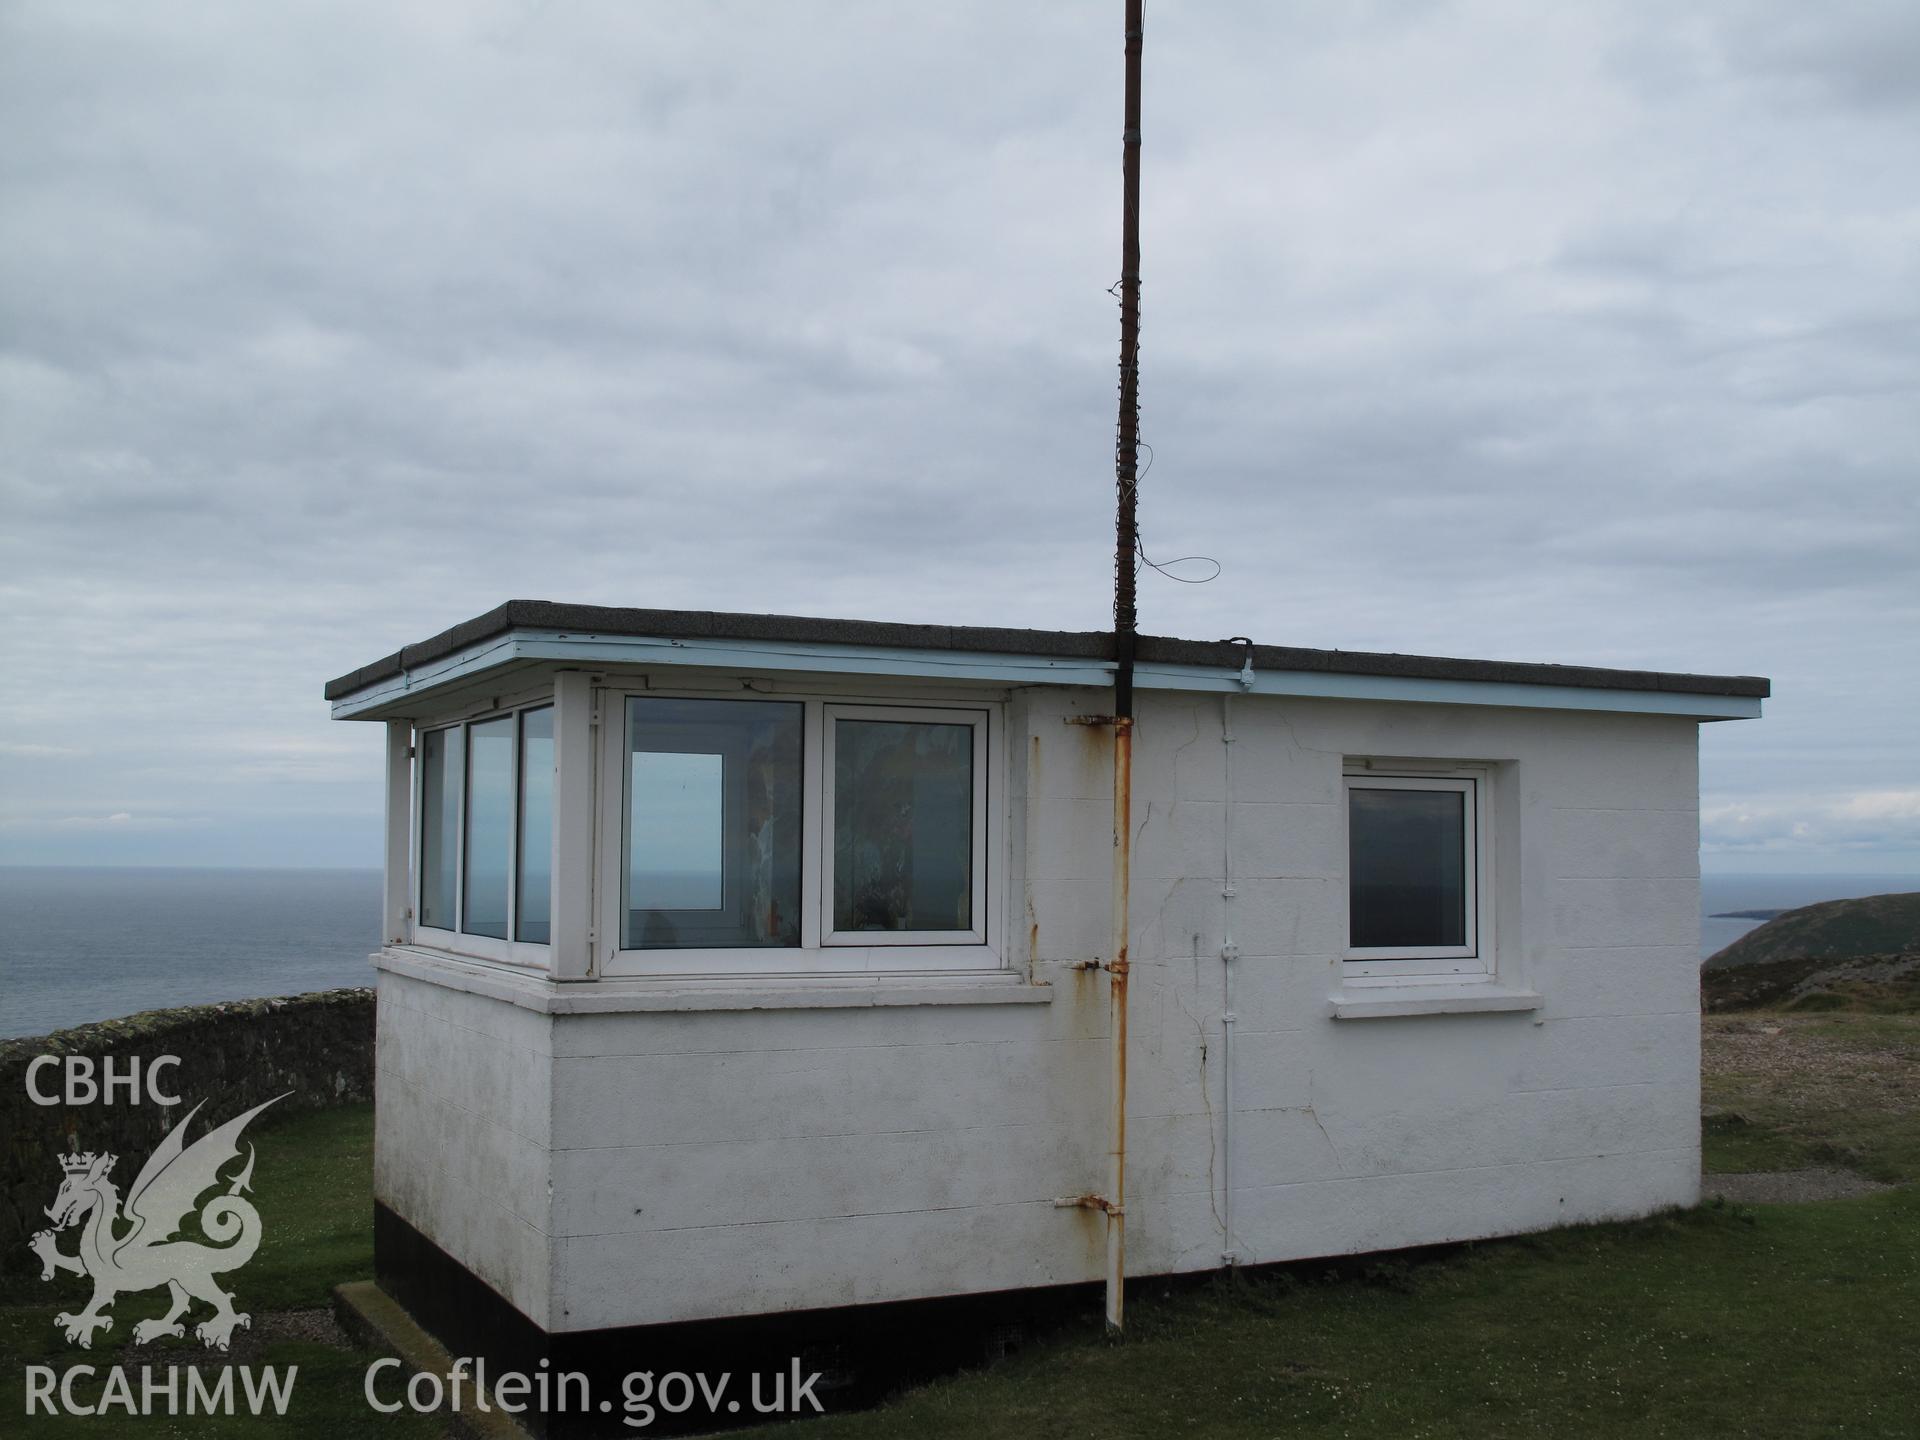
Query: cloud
point(1863, 53)
point(1573, 333)
point(1872, 823)
point(1886, 806)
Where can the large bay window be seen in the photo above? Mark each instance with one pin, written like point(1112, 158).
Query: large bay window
point(710, 833)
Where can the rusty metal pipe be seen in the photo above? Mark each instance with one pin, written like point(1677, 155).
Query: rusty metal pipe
point(1117, 972)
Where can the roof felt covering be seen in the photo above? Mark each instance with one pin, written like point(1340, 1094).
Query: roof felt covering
point(615, 621)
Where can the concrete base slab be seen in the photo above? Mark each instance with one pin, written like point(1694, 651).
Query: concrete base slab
point(374, 1319)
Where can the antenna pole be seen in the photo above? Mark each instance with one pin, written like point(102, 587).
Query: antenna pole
point(1126, 450)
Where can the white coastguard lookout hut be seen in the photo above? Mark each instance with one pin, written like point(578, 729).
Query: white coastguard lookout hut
point(750, 965)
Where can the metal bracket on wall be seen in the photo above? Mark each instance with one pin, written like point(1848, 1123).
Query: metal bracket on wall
point(1088, 1202)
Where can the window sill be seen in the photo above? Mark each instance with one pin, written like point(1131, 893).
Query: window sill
point(1389, 1002)
point(731, 992)
point(807, 966)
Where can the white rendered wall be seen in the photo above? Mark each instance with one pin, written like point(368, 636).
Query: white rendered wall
point(728, 1162)
point(1361, 1135)
point(462, 1105)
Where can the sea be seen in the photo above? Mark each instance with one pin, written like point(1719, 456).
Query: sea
point(92, 944)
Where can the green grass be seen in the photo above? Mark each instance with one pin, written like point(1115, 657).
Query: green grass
point(1787, 1321)
point(317, 1197)
point(313, 1186)
point(1787, 1090)
point(327, 1401)
point(1779, 1321)
point(1736, 1144)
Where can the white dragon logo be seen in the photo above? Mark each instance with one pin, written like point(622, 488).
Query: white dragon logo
point(146, 1256)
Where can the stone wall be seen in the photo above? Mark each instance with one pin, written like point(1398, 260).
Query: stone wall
point(316, 1049)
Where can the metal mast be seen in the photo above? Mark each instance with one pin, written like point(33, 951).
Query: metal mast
point(1126, 458)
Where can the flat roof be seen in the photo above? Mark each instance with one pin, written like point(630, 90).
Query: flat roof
point(1083, 645)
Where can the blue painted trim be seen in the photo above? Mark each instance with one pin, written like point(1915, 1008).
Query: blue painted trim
point(555, 647)
point(1329, 685)
point(578, 650)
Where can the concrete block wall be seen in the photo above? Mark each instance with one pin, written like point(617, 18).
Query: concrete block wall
point(462, 1143)
point(730, 1162)
point(735, 1162)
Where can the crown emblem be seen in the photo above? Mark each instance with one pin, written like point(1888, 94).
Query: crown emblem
point(79, 1164)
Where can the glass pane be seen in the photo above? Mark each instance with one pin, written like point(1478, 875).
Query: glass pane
point(533, 915)
point(1408, 865)
point(439, 825)
point(712, 833)
point(678, 816)
point(902, 825)
point(489, 826)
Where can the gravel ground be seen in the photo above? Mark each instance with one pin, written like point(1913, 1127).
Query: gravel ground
point(1787, 1187)
point(317, 1326)
point(1791, 1055)
point(1848, 1084)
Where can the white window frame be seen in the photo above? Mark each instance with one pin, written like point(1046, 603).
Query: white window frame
point(1475, 957)
point(819, 952)
point(976, 720)
point(534, 954)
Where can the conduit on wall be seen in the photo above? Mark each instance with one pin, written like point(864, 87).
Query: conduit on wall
point(1229, 953)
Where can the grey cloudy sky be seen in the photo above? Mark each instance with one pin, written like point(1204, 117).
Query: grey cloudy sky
point(1582, 333)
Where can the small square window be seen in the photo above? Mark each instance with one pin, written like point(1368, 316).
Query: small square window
point(1416, 872)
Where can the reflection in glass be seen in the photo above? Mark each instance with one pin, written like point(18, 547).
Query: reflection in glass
point(902, 825)
point(439, 825)
point(679, 801)
point(1407, 858)
point(489, 826)
point(712, 827)
point(533, 915)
